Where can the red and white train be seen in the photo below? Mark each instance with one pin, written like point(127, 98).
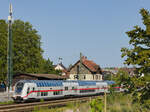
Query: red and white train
point(46, 89)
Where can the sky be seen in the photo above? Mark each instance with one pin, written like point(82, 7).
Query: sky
point(67, 27)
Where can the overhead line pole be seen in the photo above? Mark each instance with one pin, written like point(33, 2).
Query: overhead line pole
point(9, 58)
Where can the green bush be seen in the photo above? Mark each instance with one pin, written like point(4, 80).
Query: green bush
point(97, 105)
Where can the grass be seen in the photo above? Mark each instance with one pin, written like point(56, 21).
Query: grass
point(48, 109)
point(75, 107)
point(9, 102)
point(117, 102)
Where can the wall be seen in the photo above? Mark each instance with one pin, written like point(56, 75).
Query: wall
point(86, 77)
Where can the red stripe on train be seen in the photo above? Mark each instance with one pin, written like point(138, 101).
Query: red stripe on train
point(60, 90)
point(65, 90)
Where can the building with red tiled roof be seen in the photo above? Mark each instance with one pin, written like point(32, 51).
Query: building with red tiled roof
point(85, 69)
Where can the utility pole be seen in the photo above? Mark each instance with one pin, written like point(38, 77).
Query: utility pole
point(9, 55)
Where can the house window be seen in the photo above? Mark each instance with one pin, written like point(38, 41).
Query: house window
point(97, 77)
point(76, 76)
point(78, 69)
point(84, 77)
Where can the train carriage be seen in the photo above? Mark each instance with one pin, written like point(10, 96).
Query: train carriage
point(47, 89)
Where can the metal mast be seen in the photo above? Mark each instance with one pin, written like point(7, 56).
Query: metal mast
point(9, 58)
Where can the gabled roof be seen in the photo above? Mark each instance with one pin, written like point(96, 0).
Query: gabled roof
point(92, 66)
point(60, 64)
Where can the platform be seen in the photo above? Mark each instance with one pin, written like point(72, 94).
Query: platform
point(5, 96)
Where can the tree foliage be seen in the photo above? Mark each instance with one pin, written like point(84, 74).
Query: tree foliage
point(3, 49)
point(27, 51)
point(49, 69)
point(139, 56)
point(97, 105)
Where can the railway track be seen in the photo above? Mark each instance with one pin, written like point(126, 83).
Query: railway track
point(26, 107)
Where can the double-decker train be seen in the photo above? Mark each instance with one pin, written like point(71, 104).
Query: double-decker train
point(47, 89)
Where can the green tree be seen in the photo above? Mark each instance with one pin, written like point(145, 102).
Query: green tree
point(122, 77)
point(27, 52)
point(48, 68)
point(139, 56)
point(3, 49)
point(107, 76)
point(97, 105)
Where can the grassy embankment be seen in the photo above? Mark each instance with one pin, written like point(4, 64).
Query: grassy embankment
point(9, 102)
point(75, 107)
point(117, 102)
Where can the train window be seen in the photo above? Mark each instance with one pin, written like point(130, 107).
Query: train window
point(33, 88)
point(38, 93)
point(57, 93)
point(28, 90)
point(19, 87)
point(44, 93)
point(61, 92)
point(87, 91)
point(66, 88)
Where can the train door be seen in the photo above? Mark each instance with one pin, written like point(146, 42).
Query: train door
point(31, 91)
point(34, 94)
point(74, 90)
point(67, 90)
point(70, 88)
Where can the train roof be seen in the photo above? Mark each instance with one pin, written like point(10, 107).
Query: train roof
point(110, 82)
point(87, 83)
point(47, 83)
point(44, 83)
